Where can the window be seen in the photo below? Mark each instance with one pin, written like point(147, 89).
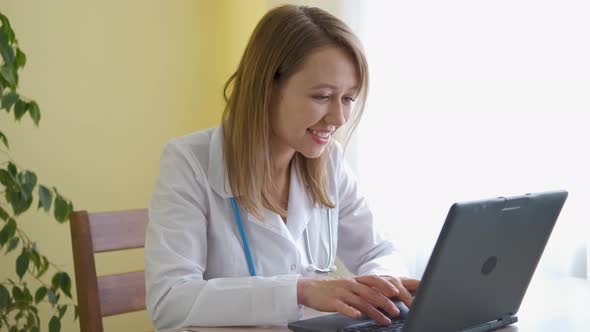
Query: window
point(473, 99)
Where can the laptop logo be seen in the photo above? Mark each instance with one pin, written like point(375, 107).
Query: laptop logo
point(489, 265)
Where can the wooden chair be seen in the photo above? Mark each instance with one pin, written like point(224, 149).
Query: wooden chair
point(112, 294)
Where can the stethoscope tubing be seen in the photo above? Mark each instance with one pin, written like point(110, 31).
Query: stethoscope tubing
point(248, 253)
point(238, 217)
point(328, 266)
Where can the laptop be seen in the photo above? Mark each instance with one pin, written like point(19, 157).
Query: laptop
point(479, 270)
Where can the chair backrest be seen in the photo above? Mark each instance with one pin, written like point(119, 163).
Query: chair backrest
point(111, 294)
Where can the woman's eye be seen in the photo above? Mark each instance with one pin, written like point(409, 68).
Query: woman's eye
point(321, 97)
point(348, 100)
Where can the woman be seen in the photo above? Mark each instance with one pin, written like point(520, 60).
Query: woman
point(246, 218)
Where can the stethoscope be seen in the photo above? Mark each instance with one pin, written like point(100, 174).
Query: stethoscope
point(312, 266)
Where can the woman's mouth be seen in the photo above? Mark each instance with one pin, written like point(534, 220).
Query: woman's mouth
point(320, 136)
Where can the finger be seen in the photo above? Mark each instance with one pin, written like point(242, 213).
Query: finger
point(347, 310)
point(362, 305)
point(410, 284)
point(376, 315)
point(404, 295)
point(382, 285)
point(374, 298)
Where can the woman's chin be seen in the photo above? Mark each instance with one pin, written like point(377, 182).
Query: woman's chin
point(312, 153)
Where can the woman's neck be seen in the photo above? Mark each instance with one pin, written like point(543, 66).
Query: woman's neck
point(281, 174)
point(281, 177)
point(281, 160)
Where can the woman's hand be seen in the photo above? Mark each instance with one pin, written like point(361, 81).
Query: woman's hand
point(405, 286)
point(352, 296)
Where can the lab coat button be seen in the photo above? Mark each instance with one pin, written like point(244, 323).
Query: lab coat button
point(293, 267)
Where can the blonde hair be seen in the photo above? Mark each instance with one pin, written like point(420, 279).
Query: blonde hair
point(277, 49)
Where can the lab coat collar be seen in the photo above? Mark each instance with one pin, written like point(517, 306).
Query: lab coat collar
point(217, 173)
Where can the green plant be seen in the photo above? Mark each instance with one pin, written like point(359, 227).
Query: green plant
point(18, 306)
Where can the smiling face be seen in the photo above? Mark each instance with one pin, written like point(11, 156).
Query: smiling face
point(313, 103)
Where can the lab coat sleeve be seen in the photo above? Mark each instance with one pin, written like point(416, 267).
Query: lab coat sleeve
point(176, 257)
point(361, 247)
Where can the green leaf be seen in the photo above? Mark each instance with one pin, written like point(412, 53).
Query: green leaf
point(44, 267)
point(19, 200)
point(21, 58)
point(40, 294)
point(9, 75)
point(4, 297)
point(54, 324)
point(18, 294)
point(12, 244)
point(22, 264)
point(4, 139)
point(19, 109)
point(7, 179)
point(28, 296)
point(61, 280)
point(3, 36)
point(28, 181)
point(7, 54)
point(19, 189)
point(52, 296)
point(35, 329)
point(8, 100)
point(62, 311)
point(7, 28)
point(56, 280)
point(45, 198)
point(38, 325)
point(31, 320)
point(76, 312)
point(62, 208)
point(12, 170)
point(3, 214)
point(34, 256)
point(7, 231)
point(66, 284)
point(34, 112)
point(14, 328)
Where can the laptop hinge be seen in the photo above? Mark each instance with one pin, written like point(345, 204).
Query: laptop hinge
point(504, 321)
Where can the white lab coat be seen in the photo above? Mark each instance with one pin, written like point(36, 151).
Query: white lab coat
point(195, 266)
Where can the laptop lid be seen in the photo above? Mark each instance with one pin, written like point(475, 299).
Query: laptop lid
point(483, 261)
point(480, 268)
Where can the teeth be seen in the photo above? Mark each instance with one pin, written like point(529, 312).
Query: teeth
point(320, 134)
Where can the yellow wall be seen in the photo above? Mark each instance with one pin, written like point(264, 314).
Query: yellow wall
point(115, 80)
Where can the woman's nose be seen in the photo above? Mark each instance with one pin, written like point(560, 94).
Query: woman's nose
point(336, 114)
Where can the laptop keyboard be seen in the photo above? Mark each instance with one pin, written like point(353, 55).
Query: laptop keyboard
point(395, 326)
